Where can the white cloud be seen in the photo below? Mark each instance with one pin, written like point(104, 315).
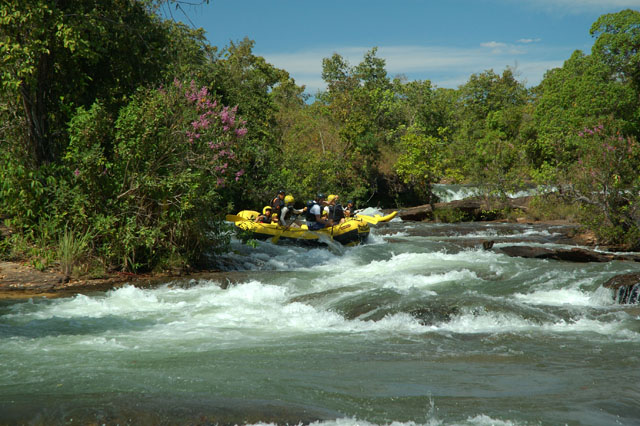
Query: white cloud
point(493, 44)
point(529, 40)
point(444, 66)
point(499, 48)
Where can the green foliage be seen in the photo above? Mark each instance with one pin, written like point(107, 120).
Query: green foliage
point(451, 215)
point(259, 90)
point(604, 181)
point(580, 93)
point(421, 161)
point(618, 43)
point(487, 145)
point(172, 163)
point(72, 249)
point(55, 56)
point(552, 206)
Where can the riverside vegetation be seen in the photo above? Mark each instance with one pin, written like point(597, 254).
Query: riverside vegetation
point(125, 137)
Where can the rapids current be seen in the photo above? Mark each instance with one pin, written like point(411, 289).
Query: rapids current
point(418, 326)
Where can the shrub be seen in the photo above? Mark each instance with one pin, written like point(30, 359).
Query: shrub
point(605, 183)
point(153, 183)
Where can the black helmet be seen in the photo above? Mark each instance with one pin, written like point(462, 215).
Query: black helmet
point(350, 202)
point(320, 195)
point(281, 191)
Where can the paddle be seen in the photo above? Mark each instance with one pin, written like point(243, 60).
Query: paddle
point(276, 238)
point(235, 218)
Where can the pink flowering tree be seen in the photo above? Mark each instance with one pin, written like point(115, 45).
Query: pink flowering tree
point(605, 182)
point(159, 183)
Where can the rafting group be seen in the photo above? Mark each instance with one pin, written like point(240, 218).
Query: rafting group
point(325, 219)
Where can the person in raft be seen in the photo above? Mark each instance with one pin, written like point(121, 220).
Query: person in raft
point(288, 211)
point(336, 212)
point(350, 209)
point(265, 217)
point(314, 217)
point(278, 202)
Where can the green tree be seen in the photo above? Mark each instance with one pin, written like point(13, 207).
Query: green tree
point(168, 181)
point(58, 55)
point(618, 43)
point(581, 93)
point(490, 114)
point(239, 77)
point(422, 160)
point(605, 182)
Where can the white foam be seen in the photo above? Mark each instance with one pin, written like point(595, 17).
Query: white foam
point(570, 296)
point(502, 323)
point(432, 420)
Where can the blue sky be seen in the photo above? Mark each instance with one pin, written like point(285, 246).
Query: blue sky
point(443, 41)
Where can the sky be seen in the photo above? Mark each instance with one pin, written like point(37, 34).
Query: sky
point(443, 41)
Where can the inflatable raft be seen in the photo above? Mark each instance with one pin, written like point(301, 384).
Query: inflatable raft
point(351, 232)
point(378, 218)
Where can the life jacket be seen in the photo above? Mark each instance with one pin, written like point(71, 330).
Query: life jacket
point(264, 219)
point(336, 212)
point(308, 215)
point(288, 212)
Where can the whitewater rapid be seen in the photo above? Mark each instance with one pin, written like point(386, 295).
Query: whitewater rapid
point(416, 327)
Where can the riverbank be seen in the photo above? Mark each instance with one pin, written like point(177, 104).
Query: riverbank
point(21, 281)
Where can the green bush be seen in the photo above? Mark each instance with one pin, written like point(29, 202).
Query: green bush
point(154, 183)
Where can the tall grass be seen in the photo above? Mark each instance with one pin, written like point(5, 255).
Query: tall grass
point(71, 250)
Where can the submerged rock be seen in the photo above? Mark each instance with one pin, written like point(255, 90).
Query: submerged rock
point(626, 288)
point(569, 255)
point(430, 315)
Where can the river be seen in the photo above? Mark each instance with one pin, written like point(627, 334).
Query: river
point(418, 326)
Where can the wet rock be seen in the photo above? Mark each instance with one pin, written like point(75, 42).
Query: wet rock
point(416, 214)
point(569, 255)
point(626, 288)
point(434, 314)
point(476, 209)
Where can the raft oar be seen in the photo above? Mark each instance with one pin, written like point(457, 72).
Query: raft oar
point(276, 238)
point(235, 218)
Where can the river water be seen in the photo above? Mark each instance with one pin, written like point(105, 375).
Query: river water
point(418, 326)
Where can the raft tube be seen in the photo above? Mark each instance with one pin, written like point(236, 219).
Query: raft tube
point(351, 232)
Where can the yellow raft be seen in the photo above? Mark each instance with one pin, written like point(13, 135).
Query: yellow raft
point(351, 232)
point(375, 219)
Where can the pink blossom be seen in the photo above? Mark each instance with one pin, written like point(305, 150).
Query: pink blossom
point(76, 172)
point(241, 132)
point(220, 182)
point(224, 115)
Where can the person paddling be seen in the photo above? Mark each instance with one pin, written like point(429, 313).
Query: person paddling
point(314, 217)
point(336, 212)
point(278, 202)
point(265, 217)
point(288, 211)
point(349, 211)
